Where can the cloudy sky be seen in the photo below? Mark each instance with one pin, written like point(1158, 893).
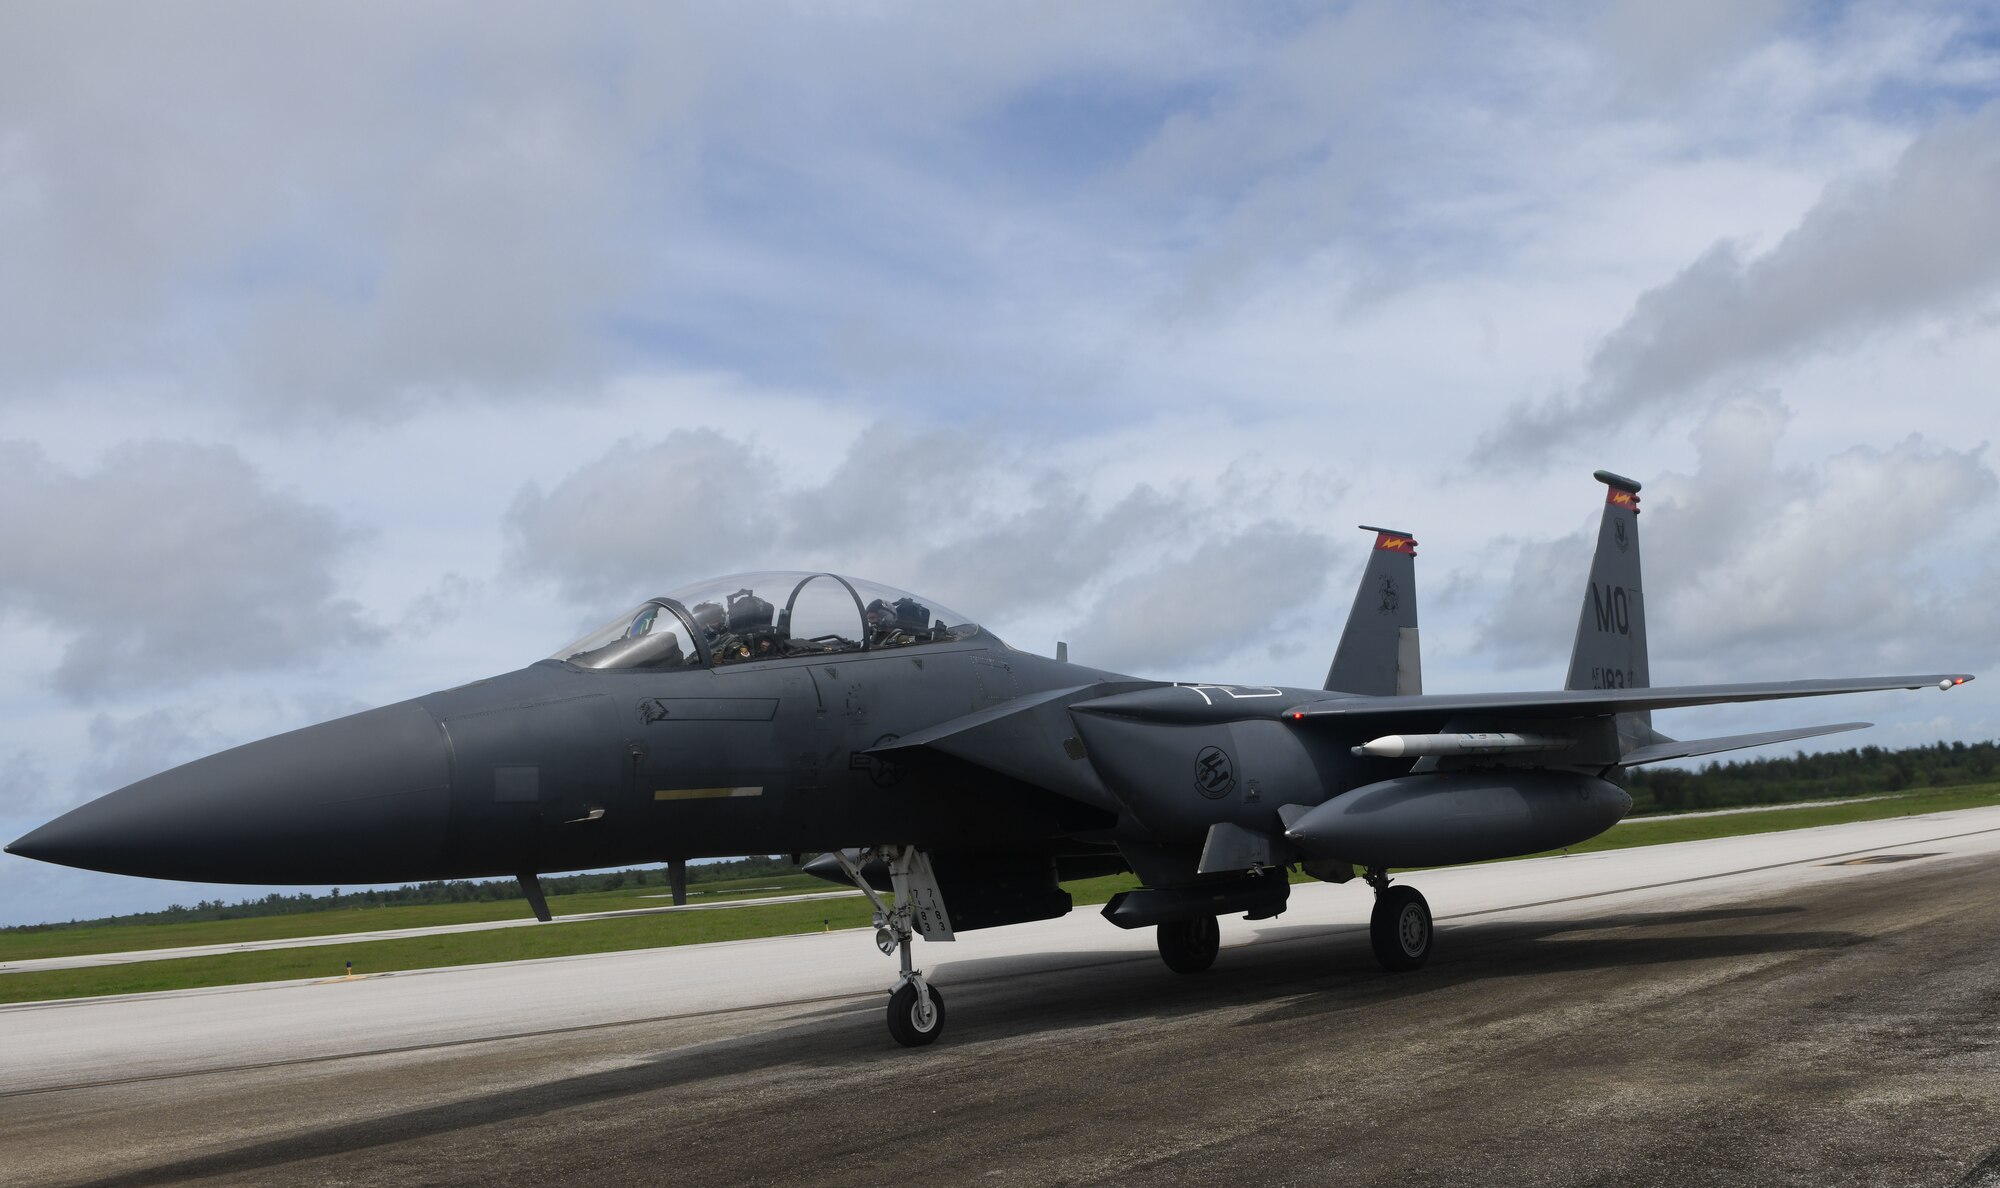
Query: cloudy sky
point(348, 353)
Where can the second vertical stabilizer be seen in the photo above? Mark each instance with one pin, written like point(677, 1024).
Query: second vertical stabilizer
point(1610, 647)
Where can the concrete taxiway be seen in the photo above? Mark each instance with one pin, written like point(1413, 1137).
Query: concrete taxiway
point(1821, 1007)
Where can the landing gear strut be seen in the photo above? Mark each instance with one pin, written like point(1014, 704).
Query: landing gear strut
point(916, 1009)
point(1400, 926)
point(1189, 946)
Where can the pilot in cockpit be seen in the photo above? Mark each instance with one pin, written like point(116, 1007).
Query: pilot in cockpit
point(881, 622)
point(708, 617)
point(889, 626)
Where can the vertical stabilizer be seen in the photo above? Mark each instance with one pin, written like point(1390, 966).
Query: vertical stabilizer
point(1378, 653)
point(1610, 648)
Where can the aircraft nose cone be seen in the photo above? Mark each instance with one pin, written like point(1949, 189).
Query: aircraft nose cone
point(362, 799)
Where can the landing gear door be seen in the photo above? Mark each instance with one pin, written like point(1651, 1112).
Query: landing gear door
point(917, 886)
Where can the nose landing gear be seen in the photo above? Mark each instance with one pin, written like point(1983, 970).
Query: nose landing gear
point(916, 1009)
point(916, 1012)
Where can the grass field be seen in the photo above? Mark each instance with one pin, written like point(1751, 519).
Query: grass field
point(120, 938)
point(567, 938)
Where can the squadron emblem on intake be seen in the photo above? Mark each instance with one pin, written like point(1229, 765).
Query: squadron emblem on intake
point(1214, 777)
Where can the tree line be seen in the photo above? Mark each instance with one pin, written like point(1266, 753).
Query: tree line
point(1828, 775)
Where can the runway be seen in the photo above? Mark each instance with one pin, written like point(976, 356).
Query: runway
point(1815, 1007)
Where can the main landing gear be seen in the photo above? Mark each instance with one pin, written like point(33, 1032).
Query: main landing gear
point(1189, 946)
point(1400, 926)
point(916, 1009)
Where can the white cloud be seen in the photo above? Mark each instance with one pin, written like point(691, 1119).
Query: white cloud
point(25, 785)
point(1249, 586)
point(1658, 52)
point(168, 563)
point(1874, 253)
point(695, 502)
point(1147, 576)
point(1848, 566)
point(125, 749)
point(1756, 569)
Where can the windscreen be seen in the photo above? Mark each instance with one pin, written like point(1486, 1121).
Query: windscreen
point(652, 636)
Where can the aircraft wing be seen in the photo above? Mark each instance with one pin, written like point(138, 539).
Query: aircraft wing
point(1192, 704)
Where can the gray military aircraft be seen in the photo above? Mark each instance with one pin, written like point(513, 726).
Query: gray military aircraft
point(955, 780)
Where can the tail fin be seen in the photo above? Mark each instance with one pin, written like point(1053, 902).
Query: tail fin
point(1610, 648)
point(1378, 654)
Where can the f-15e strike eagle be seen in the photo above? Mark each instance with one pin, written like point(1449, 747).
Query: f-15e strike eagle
point(955, 780)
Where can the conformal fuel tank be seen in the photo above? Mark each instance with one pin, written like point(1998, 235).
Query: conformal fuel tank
point(1460, 816)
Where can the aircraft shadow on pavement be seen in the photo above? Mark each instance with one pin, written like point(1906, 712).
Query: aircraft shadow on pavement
point(1326, 969)
point(814, 1045)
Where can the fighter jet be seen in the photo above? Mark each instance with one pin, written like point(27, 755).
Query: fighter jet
point(955, 780)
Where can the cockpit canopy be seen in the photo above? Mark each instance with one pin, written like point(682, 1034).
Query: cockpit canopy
point(748, 617)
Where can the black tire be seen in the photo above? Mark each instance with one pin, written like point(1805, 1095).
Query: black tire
point(904, 1021)
point(1400, 929)
point(1189, 946)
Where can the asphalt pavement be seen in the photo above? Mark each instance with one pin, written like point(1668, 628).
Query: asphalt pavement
point(1817, 1007)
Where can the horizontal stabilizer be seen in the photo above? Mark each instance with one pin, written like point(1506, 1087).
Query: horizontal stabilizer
point(1670, 748)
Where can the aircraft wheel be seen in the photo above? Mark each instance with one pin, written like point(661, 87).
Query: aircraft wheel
point(915, 1023)
point(1189, 946)
point(1400, 929)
